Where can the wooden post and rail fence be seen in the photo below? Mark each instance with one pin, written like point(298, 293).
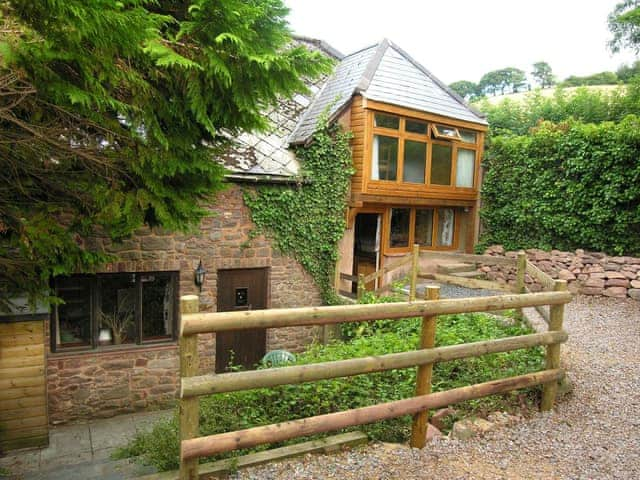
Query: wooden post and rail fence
point(193, 385)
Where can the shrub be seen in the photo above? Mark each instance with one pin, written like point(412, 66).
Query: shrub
point(568, 185)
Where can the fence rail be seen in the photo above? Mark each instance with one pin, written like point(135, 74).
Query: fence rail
point(194, 385)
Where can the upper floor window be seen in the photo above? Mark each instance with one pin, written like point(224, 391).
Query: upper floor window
point(114, 309)
point(413, 151)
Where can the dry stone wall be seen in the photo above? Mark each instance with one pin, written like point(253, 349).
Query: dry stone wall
point(103, 383)
point(589, 273)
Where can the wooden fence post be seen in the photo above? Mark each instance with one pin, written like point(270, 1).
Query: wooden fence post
point(556, 317)
point(521, 265)
point(423, 378)
point(361, 286)
point(414, 272)
point(189, 407)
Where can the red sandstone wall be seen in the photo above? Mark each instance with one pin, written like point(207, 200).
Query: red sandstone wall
point(102, 384)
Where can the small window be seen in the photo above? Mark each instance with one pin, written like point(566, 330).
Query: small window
point(415, 159)
point(114, 309)
point(384, 163)
point(413, 126)
point(424, 227)
point(400, 221)
point(465, 168)
point(386, 121)
point(441, 164)
point(468, 136)
point(446, 225)
point(447, 133)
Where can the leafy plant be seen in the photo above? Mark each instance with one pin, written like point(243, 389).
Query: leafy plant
point(308, 222)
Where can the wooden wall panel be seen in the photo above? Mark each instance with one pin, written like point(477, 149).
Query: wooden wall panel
point(358, 150)
point(23, 400)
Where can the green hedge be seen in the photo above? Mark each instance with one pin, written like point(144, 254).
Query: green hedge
point(567, 185)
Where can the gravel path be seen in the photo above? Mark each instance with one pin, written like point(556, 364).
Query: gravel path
point(593, 434)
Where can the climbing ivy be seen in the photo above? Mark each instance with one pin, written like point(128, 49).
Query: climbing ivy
point(308, 221)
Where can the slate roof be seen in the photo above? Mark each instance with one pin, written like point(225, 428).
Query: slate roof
point(385, 73)
point(266, 155)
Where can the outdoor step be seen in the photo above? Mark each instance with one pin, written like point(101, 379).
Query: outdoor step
point(468, 274)
point(450, 268)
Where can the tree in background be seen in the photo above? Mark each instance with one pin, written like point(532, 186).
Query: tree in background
point(624, 24)
point(601, 78)
point(543, 74)
point(466, 89)
point(626, 72)
point(506, 79)
point(110, 113)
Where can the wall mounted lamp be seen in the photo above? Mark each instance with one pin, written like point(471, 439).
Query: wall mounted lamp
point(200, 274)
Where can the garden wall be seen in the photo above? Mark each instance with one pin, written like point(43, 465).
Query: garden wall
point(107, 382)
point(589, 273)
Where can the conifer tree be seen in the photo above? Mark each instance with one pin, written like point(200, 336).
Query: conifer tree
point(111, 113)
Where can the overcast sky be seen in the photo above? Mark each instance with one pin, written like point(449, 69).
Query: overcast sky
point(464, 39)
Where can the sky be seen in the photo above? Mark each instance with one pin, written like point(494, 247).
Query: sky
point(464, 39)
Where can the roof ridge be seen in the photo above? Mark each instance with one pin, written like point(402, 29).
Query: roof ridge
point(322, 44)
point(372, 67)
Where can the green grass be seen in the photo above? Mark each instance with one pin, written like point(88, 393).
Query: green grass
point(239, 410)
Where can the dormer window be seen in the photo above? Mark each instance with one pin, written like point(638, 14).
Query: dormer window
point(443, 132)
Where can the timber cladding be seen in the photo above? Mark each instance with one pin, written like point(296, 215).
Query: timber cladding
point(23, 406)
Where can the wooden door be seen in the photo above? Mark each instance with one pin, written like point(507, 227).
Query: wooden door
point(241, 289)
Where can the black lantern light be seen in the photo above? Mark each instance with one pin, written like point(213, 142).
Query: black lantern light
point(200, 274)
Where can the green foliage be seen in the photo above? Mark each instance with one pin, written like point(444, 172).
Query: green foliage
point(511, 117)
point(308, 221)
point(627, 72)
point(568, 185)
point(624, 24)
point(227, 412)
point(499, 81)
point(466, 89)
point(543, 74)
point(601, 78)
point(111, 116)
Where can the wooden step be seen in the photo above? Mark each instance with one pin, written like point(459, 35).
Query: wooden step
point(450, 268)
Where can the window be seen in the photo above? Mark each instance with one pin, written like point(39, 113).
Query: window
point(433, 228)
point(424, 227)
point(400, 223)
point(420, 154)
point(465, 168)
point(441, 164)
point(385, 158)
point(447, 133)
point(114, 309)
point(415, 154)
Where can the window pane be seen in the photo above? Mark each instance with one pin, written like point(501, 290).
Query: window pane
point(467, 136)
point(386, 121)
point(441, 165)
point(415, 158)
point(440, 131)
point(385, 158)
point(465, 167)
point(446, 223)
point(74, 316)
point(158, 299)
point(400, 227)
point(424, 227)
point(413, 126)
point(117, 294)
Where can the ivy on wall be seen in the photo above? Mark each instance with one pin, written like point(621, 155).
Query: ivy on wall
point(566, 185)
point(308, 221)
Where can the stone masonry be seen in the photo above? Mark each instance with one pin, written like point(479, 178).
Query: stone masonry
point(83, 385)
point(588, 273)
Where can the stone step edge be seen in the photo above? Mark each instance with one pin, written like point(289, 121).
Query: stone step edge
point(229, 465)
point(456, 267)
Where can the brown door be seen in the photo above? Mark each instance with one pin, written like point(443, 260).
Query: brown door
point(241, 289)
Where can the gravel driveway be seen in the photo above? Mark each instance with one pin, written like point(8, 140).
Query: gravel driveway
point(593, 434)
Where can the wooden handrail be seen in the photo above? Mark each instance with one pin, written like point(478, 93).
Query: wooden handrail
point(346, 276)
point(392, 266)
point(225, 442)
point(546, 281)
point(225, 321)
point(469, 257)
point(272, 377)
